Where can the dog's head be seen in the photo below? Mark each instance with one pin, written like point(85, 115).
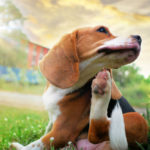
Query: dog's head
point(82, 53)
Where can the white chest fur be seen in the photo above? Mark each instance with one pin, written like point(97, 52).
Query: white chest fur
point(51, 98)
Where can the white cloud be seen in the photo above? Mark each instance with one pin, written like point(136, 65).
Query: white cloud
point(48, 20)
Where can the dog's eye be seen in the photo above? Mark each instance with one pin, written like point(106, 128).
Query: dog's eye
point(102, 29)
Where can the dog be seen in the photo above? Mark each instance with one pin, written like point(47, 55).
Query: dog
point(69, 68)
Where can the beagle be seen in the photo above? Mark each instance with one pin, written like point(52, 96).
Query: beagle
point(69, 68)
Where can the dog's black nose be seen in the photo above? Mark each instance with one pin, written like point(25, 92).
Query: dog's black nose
point(138, 38)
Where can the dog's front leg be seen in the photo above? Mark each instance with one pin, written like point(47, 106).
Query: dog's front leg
point(57, 137)
point(36, 145)
point(63, 131)
point(49, 126)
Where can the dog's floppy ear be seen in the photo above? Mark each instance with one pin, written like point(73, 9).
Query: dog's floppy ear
point(61, 64)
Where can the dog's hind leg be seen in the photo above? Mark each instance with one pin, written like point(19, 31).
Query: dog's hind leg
point(122, 129)
point(101, 94)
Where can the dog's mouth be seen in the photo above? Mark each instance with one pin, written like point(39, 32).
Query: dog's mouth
point(120, 48)
point(130, 51)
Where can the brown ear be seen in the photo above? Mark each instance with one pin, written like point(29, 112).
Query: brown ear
point(61, 65)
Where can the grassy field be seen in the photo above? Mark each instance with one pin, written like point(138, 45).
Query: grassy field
point(25, 126)
point(22, 88)
point(39, 88)
point(20, 125)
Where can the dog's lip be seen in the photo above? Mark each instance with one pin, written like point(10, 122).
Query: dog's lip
point(135, 47)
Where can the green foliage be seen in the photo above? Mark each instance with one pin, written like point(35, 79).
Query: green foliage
point(133, 85)
point(12, 56)
point(12, 41)
point(9, 13)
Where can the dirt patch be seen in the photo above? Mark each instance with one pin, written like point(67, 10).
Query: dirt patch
point(21, 100)
point(30, 101)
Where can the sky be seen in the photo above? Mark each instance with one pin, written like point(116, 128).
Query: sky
point(48, 20)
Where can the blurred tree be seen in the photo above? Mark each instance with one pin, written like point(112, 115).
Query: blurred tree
point(127, 75)
point(10, 13)
point(11, 21)
point(13, 41)
point(133, 85)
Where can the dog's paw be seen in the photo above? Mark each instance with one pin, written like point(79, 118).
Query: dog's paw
point(37, 145)
point(101, 85)
point(16, 145)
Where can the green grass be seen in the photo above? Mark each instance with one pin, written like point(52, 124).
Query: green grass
point(22, 87)
point(25, 126)
point(21, 125)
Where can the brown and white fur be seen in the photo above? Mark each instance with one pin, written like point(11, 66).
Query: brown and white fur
point(113, 128)
point(69, 68)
